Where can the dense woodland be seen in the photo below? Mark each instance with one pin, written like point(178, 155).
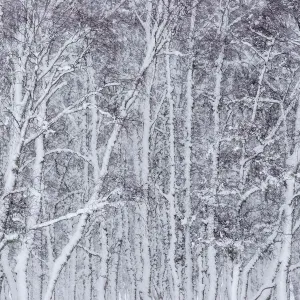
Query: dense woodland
point(150, 149)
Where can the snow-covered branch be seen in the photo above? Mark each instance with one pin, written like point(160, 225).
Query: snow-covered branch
point(88, 209)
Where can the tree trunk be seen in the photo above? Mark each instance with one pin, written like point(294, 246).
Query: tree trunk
point(187, 172)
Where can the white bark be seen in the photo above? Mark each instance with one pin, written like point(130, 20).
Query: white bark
point(9, 275)
point(56, 169)
point(102, 280)
point(188, 151)
point(201, 268)
point(34, 211)
point(235, 280)
point(211, 251)
point(260, 81)
point(172, 190)
point(292, 162)
point(72, 275)
point(129, 263)
point(282, 279)
point(64, 256)
point(17, 139)
point(144, 287)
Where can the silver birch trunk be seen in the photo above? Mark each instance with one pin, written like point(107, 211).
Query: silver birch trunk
point(187, 172)
point(172, 190)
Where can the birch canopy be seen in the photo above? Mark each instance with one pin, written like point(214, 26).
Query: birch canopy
point(149, 150)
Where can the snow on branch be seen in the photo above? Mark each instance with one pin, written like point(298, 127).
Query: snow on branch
point(89, 251)
point(265, 287)
point(75, 153)
point(68, 110)
point(62, 49)
point(88, 209)
point(175, 52)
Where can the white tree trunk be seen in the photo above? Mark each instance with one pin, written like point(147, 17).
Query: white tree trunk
point(201, 268)
point(292, 162)
point(282, 278)
point(9, 275)
point(145, 250)
point(34, 212)
point(172, 190)
point(235, 281)
point(187, 172)
point(72, 270)
point(16, 139)
point(211, 251)
point(102, 280)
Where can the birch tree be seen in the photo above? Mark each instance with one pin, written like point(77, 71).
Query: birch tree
point(149, 150)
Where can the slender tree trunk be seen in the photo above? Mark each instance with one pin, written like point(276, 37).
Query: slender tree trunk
point(200, 285)
point(34, 212)
point(211, 252)
point(102, 281)
point(72, 274)
point(9, 275)
point(292, 162)
point(282, 280)
point(128, 255)
point(187, 172)
point(16, 139)
point(235, 280)
point(145, 250)
point(171, 195)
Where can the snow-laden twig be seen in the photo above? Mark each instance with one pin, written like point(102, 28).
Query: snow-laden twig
point(75, 153)
point(247, 194)
point(250, 265)
point(262, 35)
point(265, 287)
point(89, 209)
point(175, 53)
point(89, 251)
point(70, 109)
point(62, 49)
point(166, 196)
